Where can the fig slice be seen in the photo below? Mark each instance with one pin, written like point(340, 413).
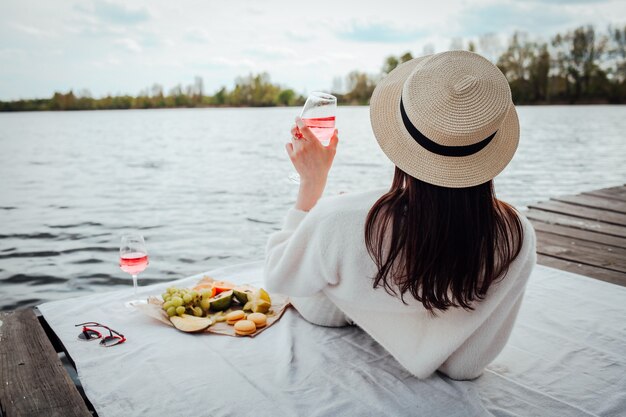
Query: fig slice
point(191, 324)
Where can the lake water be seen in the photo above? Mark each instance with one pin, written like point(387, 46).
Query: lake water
point(207, 186)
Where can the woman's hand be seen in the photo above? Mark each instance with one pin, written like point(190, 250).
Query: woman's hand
point(312, 160)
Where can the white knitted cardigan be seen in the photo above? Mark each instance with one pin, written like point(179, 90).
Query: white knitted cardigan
point(324, 251)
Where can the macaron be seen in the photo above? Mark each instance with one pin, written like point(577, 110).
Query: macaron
point(259, 319)
point(234, 316)
point(245, 327)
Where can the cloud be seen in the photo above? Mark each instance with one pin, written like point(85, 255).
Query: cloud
point(95, 30)
point(109, 61)
point(150, 39)
point(221, 61)
point(298, 36)
point(271, 52)
point(197, 35)
point(341, 56)
point(114, 25)
point(129, 44)
point(313, 62)
point(378, 32)
point(12, 53)
point(568, 1)
point(114, 13)
point(31, 30)
point(256, 11)
point(532, 17)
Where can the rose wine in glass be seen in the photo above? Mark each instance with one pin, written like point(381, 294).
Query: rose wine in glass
point(133, 256)
point(322, 127)
point(318, 114)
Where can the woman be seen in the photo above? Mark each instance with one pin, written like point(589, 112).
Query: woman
point(434, 269)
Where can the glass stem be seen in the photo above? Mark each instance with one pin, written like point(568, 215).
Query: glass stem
point(135, 283)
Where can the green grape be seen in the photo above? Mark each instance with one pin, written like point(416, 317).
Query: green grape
point(194, 294)
point(171, 311)
point(171, 290)
point(205, 294)
point(197, 311)
point(187, 298)
point(165, 295)
point(176, 301)
point(180, 310)
point(205, 304)
point(167, 305)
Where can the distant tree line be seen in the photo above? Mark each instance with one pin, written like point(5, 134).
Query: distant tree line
point(251, 91)
point(579, 66)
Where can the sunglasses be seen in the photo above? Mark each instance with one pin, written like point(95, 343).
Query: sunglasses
point(88, 334)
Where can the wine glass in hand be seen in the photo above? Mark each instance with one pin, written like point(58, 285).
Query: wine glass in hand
point(318, 114)
point(133, 256)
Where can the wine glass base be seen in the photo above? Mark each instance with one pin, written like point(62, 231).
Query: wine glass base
point(132, 305)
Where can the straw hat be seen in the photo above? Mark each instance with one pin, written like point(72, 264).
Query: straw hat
point(446, 119)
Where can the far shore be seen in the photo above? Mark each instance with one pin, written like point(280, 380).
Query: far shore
point(18, 110)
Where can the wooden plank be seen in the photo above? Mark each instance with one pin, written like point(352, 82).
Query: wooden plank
point(567, 232)
point(619, 190)
point(582, 269)
point(608, 251)
point(580, 251)
point(584, 234)
point(605, 194)
point(594, 201)
point(576, 222)
point(603, 216)
point(33, 381)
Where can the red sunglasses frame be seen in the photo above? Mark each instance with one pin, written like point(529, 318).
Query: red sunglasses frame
point(120, 337)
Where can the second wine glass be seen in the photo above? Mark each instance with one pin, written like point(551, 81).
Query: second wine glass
point(133, 256)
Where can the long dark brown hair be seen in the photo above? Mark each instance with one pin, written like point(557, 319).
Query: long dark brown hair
point(444, 246)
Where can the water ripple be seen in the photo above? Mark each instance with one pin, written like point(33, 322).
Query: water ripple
point(38, 254)
point(49, 253)
point(259, 221)
point(33, 279)
point(68, 226)
point(36, 236)
point(88, 261)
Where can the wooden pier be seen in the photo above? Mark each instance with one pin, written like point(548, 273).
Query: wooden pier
point(33, 381)
point(584, 234)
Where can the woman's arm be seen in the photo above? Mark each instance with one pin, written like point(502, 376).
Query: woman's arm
point(295, 259)
point(299, 259)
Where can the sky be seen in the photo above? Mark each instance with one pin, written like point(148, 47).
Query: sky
point(123, 47)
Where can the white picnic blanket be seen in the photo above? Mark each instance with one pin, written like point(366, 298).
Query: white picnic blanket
point(566, 357)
